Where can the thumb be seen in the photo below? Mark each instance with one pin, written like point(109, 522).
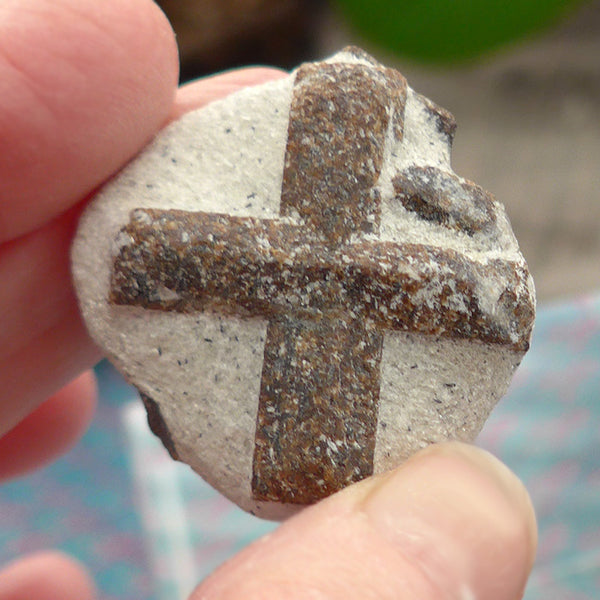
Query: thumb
point(451, 523)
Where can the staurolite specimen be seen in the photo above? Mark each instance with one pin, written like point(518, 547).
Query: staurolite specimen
point(302, 290)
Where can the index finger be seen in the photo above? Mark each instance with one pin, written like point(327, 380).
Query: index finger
point(43, 342)
point(83, 86)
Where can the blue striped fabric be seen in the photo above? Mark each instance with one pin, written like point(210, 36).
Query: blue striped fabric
point(149, 528)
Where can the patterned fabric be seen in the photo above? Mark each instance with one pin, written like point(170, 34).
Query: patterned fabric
point(548, 431)
point(149, 528)
point(83, 504)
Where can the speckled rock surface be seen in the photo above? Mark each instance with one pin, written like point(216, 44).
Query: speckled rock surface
point(302, 290)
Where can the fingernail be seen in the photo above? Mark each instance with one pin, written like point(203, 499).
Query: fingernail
point(462, 517)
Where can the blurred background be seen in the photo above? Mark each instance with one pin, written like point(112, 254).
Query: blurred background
point(521, 78)
point(523, 81)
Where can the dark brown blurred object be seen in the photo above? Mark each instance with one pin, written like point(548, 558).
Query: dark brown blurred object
point(219, 34)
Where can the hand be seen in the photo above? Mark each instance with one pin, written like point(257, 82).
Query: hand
point(84, 85)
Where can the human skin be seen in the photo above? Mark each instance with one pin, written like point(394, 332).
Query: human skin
point(84, 85)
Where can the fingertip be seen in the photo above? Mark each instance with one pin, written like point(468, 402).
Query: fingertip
point(51, 430)
point(463, 515)
point(46, 576)
point(85, 85)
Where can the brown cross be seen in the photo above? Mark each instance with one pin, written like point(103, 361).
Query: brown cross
point(327, 286)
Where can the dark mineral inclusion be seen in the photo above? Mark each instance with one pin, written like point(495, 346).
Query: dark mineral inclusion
point(327, 292)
